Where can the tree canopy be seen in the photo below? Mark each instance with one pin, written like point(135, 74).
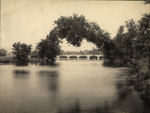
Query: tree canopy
point(21, 50)
point(76, 28)
point(49, 47)
point(135, 42)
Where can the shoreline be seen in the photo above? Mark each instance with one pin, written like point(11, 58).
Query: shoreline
point(140, 82)
point(5, 59)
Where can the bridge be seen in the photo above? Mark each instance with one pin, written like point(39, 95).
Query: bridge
point(80, 57)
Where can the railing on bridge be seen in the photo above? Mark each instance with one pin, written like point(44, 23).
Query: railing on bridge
point(79, 57)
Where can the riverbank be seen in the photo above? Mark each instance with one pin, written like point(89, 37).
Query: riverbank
point(117, 63)
point(142, 85)
point(139, 80)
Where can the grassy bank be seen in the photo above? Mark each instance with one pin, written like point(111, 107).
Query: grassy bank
point(5, 59)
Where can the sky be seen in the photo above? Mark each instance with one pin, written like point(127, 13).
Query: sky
point(29, 21)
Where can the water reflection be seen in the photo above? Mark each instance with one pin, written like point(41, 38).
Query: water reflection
point(51, 64)
point(124, 85)
point(106, 108)
point(127, 96)
point(110, 64)
point(22, 64)
point(123, 90)
point(50, 80)
point(21, 73)
point(34, 63)
point(76, 107)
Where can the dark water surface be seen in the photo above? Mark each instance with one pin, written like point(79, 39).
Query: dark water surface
point(67, 87)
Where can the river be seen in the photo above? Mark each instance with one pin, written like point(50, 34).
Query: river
point(67, 87)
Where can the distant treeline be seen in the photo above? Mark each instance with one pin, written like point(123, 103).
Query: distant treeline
point(94, 51)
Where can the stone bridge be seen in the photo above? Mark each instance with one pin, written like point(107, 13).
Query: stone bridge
point(80, 57)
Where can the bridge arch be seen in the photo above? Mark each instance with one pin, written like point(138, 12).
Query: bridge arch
point(101, 58)
point(63, 57)
point(93, 57)
point(73, 58)
point(83, 57)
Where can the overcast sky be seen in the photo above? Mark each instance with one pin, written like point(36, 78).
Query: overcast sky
point(29, 21)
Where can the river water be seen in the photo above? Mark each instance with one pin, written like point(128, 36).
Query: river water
point(67, 87)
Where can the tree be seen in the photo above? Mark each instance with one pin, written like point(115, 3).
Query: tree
point(76, 28)
point(73, 29)
point(21, 50)
point(129, 36)
point(124, 41)
point(49, 47)
point(118, 41)
point(142, 41)
point(141, 45)
point(3, 52)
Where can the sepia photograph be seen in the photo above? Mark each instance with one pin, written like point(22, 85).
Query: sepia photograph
point(74, 56)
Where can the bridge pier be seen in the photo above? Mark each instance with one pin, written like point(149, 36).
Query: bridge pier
point(88, 58)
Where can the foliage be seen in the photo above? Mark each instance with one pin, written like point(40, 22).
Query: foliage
point(129, 36)
point(49, 47)
point(94, 51)
point(147, 1)
point(135, 44)
point(3, 52)
point(124, 40)
point(76, 28)
point(21, 50)
point(142, 41)
point(72, 28)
